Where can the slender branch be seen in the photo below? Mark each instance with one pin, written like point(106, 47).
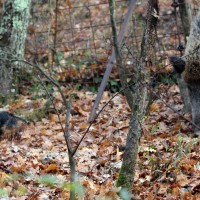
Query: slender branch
point(111, 59)
point(54, 106)
point(123, 77)
point(70, 153)
point(53, 81)
point(97, 115)
point(66, 132)
point(128, 86)
point(174, 110)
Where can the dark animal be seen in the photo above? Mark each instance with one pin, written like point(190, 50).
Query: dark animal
point(11, 126)
point(189, 70)
point(178, 64)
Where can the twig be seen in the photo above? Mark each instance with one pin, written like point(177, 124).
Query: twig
point(70, 153)
point(53, 81)
point(121, 68)
point(111, 61)
point(96, 116)
point(68, 106)
point(174, 110)
point(54, 106)
point(67, 112)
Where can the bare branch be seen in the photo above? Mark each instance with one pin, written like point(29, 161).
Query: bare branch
point(123, 77)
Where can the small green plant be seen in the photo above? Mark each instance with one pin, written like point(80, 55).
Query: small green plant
point(3, 193)
point(87, 53)
point(75, 96)
point(58, 57)
point(37, 90)
point(168, 80)
point(48, 180)
point(12, 177)
point(21, 191)
point(53, 181)
point(183, 146)
point(113, 85)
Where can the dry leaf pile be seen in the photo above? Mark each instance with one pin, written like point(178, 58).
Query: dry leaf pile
point(168, 159)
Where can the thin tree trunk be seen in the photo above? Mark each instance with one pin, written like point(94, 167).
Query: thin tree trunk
point(191, 74)
point(13, 29)
point(127, 171)
point(184, 94)
point(185, 15)
point(123, 77)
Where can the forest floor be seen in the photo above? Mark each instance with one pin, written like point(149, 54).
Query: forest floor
point(168, 159)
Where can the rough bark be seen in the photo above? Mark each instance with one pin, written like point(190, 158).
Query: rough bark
point(191, 73)
point(123, 77)
point(179, 67)
point(127, 171)
point(185, 15)
point(184, 95)
point(13, 29)
point(194, 94)
point(192, 70)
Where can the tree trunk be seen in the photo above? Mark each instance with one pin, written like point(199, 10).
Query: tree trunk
point(179, 67)
point(184, 95)
point(185, 15)
point(13, 29)
point(127, 171)
point(191, 74)
point(189, 70)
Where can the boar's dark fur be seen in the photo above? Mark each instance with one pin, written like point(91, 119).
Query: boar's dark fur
point(10, 125)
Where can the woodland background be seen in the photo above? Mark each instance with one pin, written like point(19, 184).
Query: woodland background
point(72, 42)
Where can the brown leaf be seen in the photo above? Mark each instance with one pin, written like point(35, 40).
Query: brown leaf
point(154, 107)
point(83, 126)
point(176, 127)
point(18, 169)
point(52, 168)
point(182, 180)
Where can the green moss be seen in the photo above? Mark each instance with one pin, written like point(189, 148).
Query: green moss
point(121, 181)
point(125, 180)
point(17, 24)
point(20, 5)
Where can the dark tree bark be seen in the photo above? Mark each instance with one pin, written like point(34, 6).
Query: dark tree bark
point(13, 29)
